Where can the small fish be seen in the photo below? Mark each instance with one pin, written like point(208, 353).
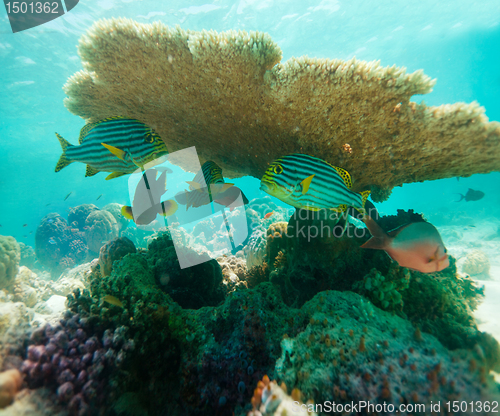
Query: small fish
point(74, 230)
point(31, 232)
point(207, 186)
point(310, 183)
point(268, 215)
point(113, 300)
point(25, 225)
point(417, 245)
point(97, 199)
point(25, 236)
point(52, 241)
point(471, 195)
point(47, 204)
point(115, 144)
point(147, 199)
point(67, 196)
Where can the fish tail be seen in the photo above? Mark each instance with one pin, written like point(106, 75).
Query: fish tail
point(461, 197)
point(380, 239)
point(63, 160)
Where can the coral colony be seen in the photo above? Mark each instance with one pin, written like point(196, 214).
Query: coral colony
point(293, 320)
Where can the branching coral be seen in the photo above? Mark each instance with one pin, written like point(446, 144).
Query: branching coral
point(206, 88)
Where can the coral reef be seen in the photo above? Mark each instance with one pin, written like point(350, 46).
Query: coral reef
point(319, 251)
point(476, 264)
point(10, 255)
point(385, 291)
point(192, 287)
point(28, 258)
point(59, 246)
point(77, 215)
point(234, 270)
point(102, 227)
point(112, 251)
point(74, 358)
point(116, 210)
point(338, 358)
point(269, 399)
point(272, 108)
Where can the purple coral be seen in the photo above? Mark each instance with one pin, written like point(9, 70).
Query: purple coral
point(75, 365)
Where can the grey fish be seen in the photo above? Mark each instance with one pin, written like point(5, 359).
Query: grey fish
point(472, 195)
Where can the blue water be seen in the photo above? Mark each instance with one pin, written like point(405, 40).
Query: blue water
point(455, 42)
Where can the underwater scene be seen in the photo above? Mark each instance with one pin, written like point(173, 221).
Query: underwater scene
point(249, 208)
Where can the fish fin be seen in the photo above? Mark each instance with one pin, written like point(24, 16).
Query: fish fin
point(339, 209)
point(63, 160)
point(396, 231)
point(306, 183)
point(115, 175)
point(219, 188)
point(127, 212)
point(380, 239)
point(346, 177)
point(85, 130)
point(90, 171)
point(364, 198)
point(168, 208)
point(120, 154)
point(195, 185)
point(461, 197)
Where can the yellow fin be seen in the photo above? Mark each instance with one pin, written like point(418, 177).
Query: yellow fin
point(340, 208)
point(90, 171)
point(346, 177)
point(113, 300)
point(306, 183)
point(364, 197)
point(115, 175)
point(120, 154)
point(168, 208)
point(127, 212)
point(63, 160)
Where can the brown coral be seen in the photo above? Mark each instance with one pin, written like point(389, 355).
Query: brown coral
point(10, 382)
point(206, 88)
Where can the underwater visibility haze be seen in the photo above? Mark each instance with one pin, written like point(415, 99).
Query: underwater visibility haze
point(253, 207)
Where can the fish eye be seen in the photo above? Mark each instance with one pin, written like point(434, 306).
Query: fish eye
point(148, 138)
point(278, 169)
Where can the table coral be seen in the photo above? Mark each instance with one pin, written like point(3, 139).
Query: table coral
point(206, 88)
point(10, 255)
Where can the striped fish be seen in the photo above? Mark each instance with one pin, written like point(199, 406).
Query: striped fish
point(207, 184)
point(116, 144)
point(310, 183)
